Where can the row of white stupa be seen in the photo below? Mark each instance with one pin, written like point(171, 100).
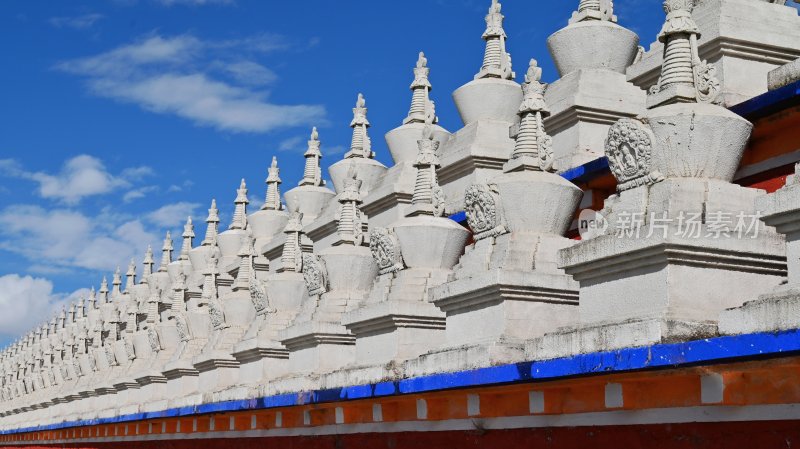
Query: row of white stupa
point(372, 282)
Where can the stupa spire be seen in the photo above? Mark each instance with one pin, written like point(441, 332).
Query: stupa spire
point(349, 216)
point(166, 253)
point(496, 60)
point(420, 89)
point(240, 211)
point(684, 77)
point(116, 282)
point(312, 174)
point(92, 299)
point(533, 148)
point(360, 144)
point(292, 251)
point(104, 290)
point(148, 262)
point(188, 239)
point(273, 201)
point(594, 10)
point(212, 228)
point(428, 198)
point(179, 293)
point(130, 275)
point(210, 273)
point(246, 254)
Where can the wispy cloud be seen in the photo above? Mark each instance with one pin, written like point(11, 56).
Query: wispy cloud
point(179, 75)
point(80, 177)
point(172, 215)
point(76, 22)
point(291, 144)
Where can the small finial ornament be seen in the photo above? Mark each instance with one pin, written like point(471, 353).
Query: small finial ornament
point(533, 149)
point(188, 238)
point(312, 173)
point(360, 144)
point(273, 200)
point(350, 220)
point(104, 290)
point(594, 10)
point(130, 275)
point(291, 258)
point(240, 211)
point(684, 76)
point(496, 60)
point(166, 253)
point(420, 89)
point(148, 262)
point(428, 197)
point(212, 228)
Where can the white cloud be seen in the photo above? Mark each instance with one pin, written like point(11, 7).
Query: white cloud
point(291, 144)
point(172, 76)
point(137, 194)
point(172, 215)
point(55, 240)
point(80, 177)
point(77, 22)
point(28, 302)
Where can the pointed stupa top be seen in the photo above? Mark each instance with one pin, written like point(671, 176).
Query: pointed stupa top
point(594, 10)
point(92, 299)
point(211, 272)
point(166, 253)
point(312, 174)
point(80, 310)
point(130, 275)
point(116, 283)
point(212, 229)
point(684, 77)
point(360, 144)
point(350, 221)
point(533, 149)
point(428, 198)
point(420, 89)
point(240, 211)
point(148, 262)
point(292, 252)
point(188, 239)
point(496, 60)
point(104, 290)
point(179, 295)
point(273, 201)
point(246, 254)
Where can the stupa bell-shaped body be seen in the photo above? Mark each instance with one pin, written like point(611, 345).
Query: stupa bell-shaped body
point(591, 54)
point(360, 157)
point(311, 196)
point(402, 141)
point(492, 94)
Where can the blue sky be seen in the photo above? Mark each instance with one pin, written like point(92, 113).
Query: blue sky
point(122, 117)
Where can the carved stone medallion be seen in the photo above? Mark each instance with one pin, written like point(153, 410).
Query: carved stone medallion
point(628, 148)
point(484, 211)
point(386, 251)
point(315, 274)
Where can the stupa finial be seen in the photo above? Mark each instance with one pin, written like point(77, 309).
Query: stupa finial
point(312, 174)
point(240, 211)
point(273, 201)
point(360, 144)
point(104, 290)
point(594, 10)
point(130, 275)
point(291, 257)
point(116, 282)
point(428, 198)
point(350, 220)
point(496, 60)
point(188, 239)
point(148, 262)
point(684, 76)
point(166, 253)
point(246, 254)
point(212, 229)
point(211, 272)
point(420, 89)
point(533, 149)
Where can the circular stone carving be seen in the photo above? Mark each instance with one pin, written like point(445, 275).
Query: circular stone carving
point(385, 250)
point(314, 274)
